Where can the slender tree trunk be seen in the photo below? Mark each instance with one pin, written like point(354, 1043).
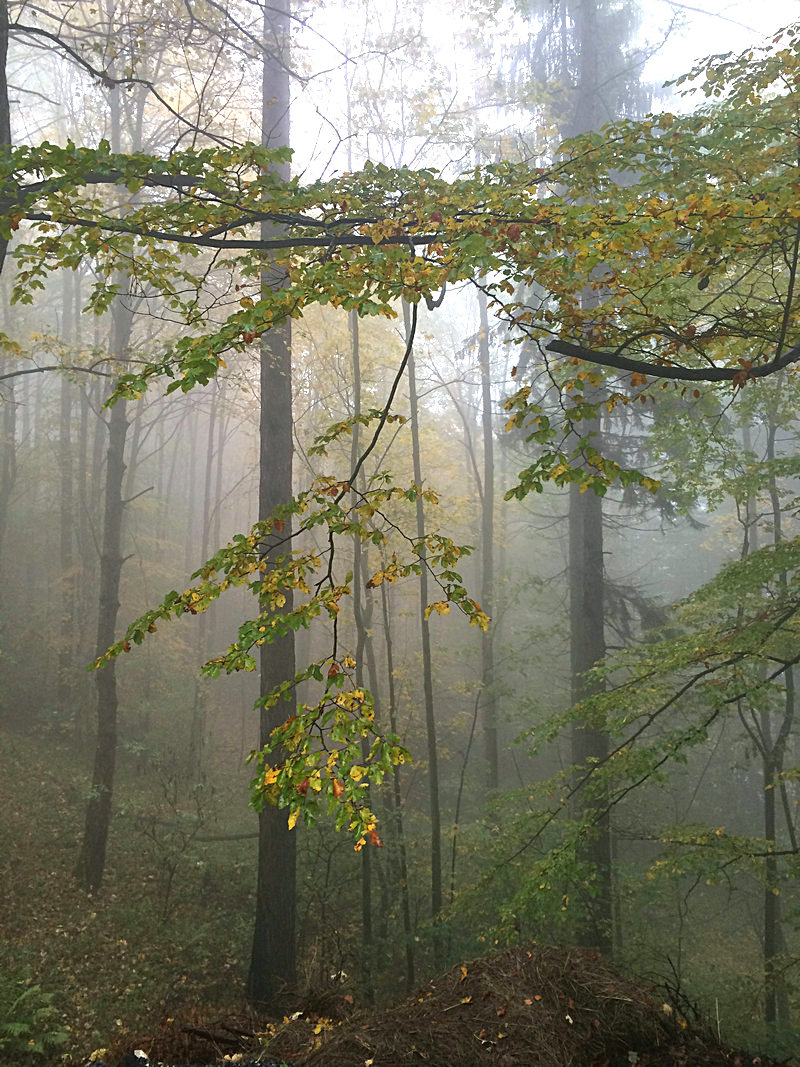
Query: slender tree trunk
point(359, 611)
point(488, 695)
point(197, 729)
point(66, 658)
point(272, 963)
point(427, 675)
point(92, 857)
point(8, 475)
point(397, 796)
point(67, 524)
point(5, 109)
point(776, 1002)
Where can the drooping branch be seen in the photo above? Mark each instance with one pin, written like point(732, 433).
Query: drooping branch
point(738, 375)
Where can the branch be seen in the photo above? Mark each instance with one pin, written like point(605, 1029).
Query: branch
point(685, 374)
point(351, 240)
point(55, 366)
point(106, 79)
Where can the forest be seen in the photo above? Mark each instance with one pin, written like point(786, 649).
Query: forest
point(399, 543)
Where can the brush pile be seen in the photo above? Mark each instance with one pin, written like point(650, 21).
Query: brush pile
point(529, 1006)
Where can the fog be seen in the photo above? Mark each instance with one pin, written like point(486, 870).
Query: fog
point(519, 697)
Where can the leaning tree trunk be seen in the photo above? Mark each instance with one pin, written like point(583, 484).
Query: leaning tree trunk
point(272, 962)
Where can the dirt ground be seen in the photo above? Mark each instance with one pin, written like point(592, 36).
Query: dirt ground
point(530, 1006)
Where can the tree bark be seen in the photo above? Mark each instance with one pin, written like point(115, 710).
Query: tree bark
point(5, 108)
point(92, 857)
point(397, 799)
point(586, 574)
point(427, 676)
point(488, 695)
point(272, 961)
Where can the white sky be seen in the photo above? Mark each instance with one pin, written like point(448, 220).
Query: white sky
point(711, 27)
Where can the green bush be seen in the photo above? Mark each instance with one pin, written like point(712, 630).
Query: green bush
point(29, 1023)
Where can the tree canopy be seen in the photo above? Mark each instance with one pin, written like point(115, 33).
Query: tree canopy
point(655, 253)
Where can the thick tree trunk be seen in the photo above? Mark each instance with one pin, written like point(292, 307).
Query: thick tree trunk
point(586, 576)
point(272, 962)
point(589, 744)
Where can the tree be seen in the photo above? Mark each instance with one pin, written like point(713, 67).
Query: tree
point(272, 964)
point(349, 241)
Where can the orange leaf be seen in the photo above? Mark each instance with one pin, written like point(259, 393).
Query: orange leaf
point(338, 788)
point(374, 839)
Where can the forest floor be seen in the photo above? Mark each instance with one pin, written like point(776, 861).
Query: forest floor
point(108, 969)
point(530, 1006)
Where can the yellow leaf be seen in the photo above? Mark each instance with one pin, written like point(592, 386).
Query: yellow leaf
point(293, 816)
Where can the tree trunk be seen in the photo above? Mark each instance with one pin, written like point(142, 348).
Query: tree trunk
point(5, 109)
point(397, 797)
point(197, 729)
point(92, 857)
point(67, 525)
point(776, 1003)
point(272, 962)
point(488, 695)
point(427, 675)
point(359, 610)
point(586, 576)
